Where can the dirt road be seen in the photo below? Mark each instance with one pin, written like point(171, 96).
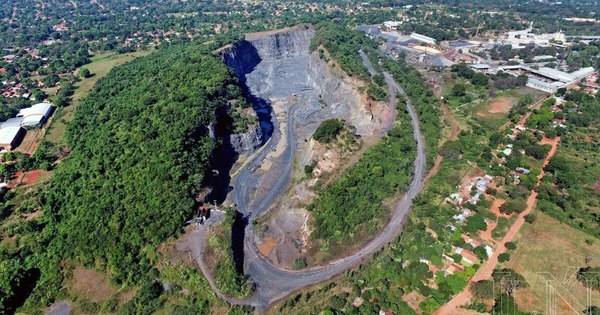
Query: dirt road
point(486, 270)
point(274, 283)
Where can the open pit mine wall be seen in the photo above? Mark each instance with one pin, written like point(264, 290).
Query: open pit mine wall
point(243, 56)
point(344, 97)
point(292, 42)
point(246, 143)
point(295, 42)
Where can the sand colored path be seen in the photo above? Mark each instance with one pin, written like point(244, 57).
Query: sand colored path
point(485, 272)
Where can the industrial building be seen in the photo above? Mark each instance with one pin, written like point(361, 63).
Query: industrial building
point(423, 38)
point(11, 134)
point(547, 79)
point(520, 39)
point(12, 131)
point(35, 115)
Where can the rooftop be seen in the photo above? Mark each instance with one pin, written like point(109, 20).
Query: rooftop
point(8, 134)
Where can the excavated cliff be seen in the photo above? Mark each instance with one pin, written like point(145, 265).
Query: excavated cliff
point(246, 143)
point(292, 91)
point(276, 65)
point(284, 43)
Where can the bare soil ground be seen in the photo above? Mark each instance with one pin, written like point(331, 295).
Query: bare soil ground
point(267, 245)
point(547, 237)
point(31, 141)
point(501, 105)
point(91, 285)
point(28, 178)
point(413, 299)
point(286, 238)
point(495, 209)
point(33, 177)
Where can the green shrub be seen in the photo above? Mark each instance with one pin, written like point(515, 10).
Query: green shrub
point(513, 206)
point(328, 130)
point(503, 257)
point(530, 218)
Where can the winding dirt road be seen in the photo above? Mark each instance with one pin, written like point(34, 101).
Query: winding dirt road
point(274, 283)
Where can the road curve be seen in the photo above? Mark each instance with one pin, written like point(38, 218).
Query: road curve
point(274, 283)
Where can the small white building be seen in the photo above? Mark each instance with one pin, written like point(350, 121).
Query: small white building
point(392, 24)
point(423, 38)
point(35, 115)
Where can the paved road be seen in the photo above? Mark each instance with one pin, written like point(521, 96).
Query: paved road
point(274, 283)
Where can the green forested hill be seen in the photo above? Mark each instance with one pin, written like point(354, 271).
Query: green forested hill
point(140, 150)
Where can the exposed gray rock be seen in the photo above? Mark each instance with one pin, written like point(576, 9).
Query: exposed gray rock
point(343, 99)
point(241, 56)
point(245, 143)
point(278, 66)
point(292, 42)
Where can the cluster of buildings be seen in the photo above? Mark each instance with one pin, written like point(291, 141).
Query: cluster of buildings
point(9, 86)
point(589, 84)
point(13, 130)
point(544, 78)
point(523, 38)
point(12, 89)
point(450, 263)
point(426, 51)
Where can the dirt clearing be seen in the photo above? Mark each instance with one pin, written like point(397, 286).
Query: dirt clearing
point(547, 237)
point(91, 285)
point(500, 105)
point(267, 246)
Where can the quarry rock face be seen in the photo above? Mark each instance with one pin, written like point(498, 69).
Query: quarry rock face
point(292, 42)
point(342, 97)
point(246, 143)
point(277, 68)
point(241, 57)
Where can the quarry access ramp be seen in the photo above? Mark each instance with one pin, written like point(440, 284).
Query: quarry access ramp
point(273, 67)
point(274, 283)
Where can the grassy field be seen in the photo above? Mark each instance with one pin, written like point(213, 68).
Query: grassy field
point(558, 249)
point(493, 112)
point(101, 64)
point(501, 228)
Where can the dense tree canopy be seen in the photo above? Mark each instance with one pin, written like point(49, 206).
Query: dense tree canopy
point(140, 153)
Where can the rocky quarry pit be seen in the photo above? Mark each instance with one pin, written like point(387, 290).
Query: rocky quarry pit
point(287, 83)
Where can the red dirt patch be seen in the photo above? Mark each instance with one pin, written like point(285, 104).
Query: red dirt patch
point(27, 178)
point(480, 114)
point(267, 246)
point(32, 177)
point(501, 105)
point(495, 209)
